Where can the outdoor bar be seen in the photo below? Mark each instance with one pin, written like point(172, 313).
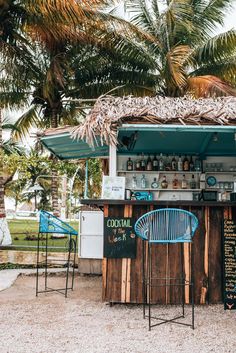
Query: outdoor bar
point(162, 153)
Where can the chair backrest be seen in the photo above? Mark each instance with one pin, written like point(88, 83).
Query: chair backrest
point(52, 224)
point(168, 225)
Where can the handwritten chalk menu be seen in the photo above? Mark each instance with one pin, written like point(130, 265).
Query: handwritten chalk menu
point(229, 264)
point(119, 238)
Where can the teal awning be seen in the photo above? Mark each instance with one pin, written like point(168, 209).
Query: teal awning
point(207, 140)
point(65, 147)
point(178, 139)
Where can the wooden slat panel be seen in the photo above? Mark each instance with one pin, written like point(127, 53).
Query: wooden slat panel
point(136, 264)
point(207, 263)
point(175, 265)
point(204, 292)
point(114, 266)
point(104, 265)
point(198, 248)
point(215, 254)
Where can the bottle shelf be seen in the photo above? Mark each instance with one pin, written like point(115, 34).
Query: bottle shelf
point(150, 189)
point(157, 172)
point(222, 172)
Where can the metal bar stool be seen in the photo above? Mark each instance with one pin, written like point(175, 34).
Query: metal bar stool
point(49, 224)
point(165, 226)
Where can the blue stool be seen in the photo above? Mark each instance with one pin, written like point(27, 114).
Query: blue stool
point(165, 226)
point(49, 224)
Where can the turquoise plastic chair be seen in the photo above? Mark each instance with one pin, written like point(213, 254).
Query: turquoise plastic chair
point(165, 226)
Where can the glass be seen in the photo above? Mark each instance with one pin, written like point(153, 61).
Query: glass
point(221, 185)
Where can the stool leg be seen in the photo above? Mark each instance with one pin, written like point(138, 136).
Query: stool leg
point(73, 273)
point(37, 271)
point(68, 265)
point(192, 283)
point(149, 285)
point(46, 262)
point(182, 280)
point(144, 279)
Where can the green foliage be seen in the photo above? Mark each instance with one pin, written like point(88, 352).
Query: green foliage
point(184, 48)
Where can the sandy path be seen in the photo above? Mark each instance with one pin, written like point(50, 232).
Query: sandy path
point(82, 323)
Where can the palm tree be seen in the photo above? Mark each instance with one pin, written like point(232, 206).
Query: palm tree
point(188, 57)
point(5, 237)
point(47, 27)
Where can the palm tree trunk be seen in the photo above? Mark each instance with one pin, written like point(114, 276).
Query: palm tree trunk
point(55, 205)
point(5, 237)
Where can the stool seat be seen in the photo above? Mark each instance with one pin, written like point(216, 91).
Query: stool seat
point(165, 226)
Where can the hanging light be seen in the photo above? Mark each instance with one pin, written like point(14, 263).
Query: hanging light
point(215, 137)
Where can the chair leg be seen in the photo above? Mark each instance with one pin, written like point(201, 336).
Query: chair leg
point(143, 279)
point(192, 283)
point(149, 285)
point(183, 280)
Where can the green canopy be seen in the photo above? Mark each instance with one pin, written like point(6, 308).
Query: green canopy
point(206, 140)
point(65, 147)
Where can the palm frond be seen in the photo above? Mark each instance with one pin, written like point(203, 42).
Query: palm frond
point(216, 49)
point(143, 16)
point(11, 147)
point(174, 65)
point(26, 122)
point(225, 70)
point(209, 86)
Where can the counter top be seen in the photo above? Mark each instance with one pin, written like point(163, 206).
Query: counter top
point(101, 202)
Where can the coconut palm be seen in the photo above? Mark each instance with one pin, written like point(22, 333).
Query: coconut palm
point(19, 21)
point(188, 57)
point(50, 27)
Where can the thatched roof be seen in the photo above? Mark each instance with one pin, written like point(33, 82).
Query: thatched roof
point(109, 113)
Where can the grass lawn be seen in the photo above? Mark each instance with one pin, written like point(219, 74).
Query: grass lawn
point(24, 232)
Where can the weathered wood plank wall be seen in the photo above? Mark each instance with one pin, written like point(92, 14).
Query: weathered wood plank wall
point(122, 278)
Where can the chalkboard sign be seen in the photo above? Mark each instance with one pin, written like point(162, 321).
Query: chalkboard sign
point(119, 238)
point(229, 264)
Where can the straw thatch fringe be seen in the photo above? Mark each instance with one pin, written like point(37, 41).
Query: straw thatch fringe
point(108, 113)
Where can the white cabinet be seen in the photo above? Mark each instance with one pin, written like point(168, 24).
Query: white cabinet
point(91, 235)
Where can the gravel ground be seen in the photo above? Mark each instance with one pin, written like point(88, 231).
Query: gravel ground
point(83, 324)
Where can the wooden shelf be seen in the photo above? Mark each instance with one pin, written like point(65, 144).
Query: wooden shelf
point(222, 172)
point(156, 172)
point(150, 189)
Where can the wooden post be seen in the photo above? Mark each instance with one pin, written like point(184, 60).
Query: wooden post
point(112, 160)
point(104, 264)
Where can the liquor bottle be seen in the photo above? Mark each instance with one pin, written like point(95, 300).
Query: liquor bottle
point(154, 184)
point(180, 164)
point(161, 162)
point(168, 163)
point(186, 164)
point(129, 164)
point(143, 182)
point(155, 163)
point(173, 163)
point(137, 163)
point(175, 182)
point(197, 164)
point(184, 183)
point(134, 182)
point(191, 164)
point(143, 163)
point(193, 184)
point(149, 163)
point(164, 183)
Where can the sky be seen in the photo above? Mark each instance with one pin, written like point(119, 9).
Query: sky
point(230, 20)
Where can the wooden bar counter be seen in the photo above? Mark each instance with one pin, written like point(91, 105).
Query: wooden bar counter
point(122, 278)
